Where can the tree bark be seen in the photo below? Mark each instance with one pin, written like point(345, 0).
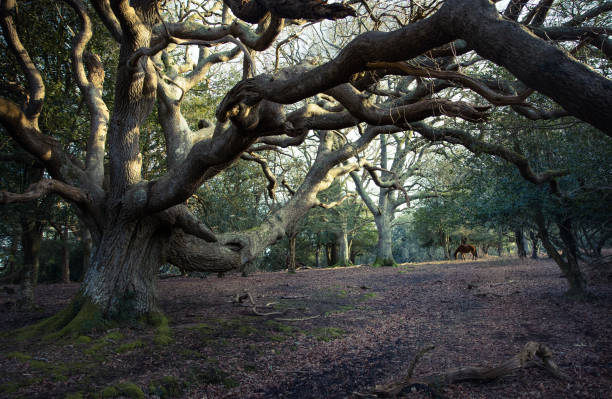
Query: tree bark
point(30, 241)
point(534, 244)
point(121, 278)
point(519, 239)
point(65, 255)
point(342, 248)
point(291, 253)
point(569, 266)
point(384, 246)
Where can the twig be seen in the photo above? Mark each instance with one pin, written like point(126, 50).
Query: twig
point(299, 319)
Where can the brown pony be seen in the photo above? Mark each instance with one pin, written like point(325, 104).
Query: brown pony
point(464, 249)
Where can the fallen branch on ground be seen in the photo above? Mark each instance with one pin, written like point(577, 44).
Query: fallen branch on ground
point(533, 353)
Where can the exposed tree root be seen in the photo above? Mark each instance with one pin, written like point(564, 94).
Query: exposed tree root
point(80, 317)
point(533, 353)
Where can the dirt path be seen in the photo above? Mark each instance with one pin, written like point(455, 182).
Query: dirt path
point(338, 331)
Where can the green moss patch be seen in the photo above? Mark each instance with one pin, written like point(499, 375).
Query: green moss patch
point(213, 376)
point(22, 357)
point(123, 389)
point(79, 317)
point(163, 333)
point(327, 333)
point(83, 339)
point(130, 346)
point(380, 262)
point(167, 387)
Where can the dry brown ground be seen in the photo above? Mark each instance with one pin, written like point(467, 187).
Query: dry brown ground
point(369, 324)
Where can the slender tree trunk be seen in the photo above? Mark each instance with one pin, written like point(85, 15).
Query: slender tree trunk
point(534, 244)
point(342, 256)
point(520, 243)
point(574, 275)
point(86, 242)
point(317, 254)
point(500, 242)
point(291, 255)
point(332, 254)
point(384, 246)
point(12, 258)
point(445, 243)
point(30, 241)
point(65, 255)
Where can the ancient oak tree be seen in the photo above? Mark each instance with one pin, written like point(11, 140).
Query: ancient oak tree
point(405, 68)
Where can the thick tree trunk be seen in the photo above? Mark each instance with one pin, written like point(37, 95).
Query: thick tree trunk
point(384, 246)
point(519, 239)
point(121, 278)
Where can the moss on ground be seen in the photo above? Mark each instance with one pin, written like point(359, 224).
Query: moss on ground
point(123, 389)
point(167, 387)
point(19, 356)
point(214, 376)
point(327, 334)
point(57, 371)
point(163, 333)
point(83, 339)
point(79, 317)
point(130, 346)
point(379, 262)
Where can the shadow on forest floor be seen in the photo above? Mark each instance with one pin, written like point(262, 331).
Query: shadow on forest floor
point(326, 333)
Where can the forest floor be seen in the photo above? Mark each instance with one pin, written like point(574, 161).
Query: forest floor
point(339, 331)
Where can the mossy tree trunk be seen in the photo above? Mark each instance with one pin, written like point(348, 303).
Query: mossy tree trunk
point(121, 277)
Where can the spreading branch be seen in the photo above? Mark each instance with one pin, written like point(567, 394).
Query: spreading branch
point(44, 187)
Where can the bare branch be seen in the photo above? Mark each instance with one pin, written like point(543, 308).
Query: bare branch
point(104, 11)
point(334, 204)
point(44, 187)
point(91, 87)
point(253, 11)
point(36, 86)
point(592, 13)
point(266, 171)
point(469, 82)
point(478, 146)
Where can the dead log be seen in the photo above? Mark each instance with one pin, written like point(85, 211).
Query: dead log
point(533, 353)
